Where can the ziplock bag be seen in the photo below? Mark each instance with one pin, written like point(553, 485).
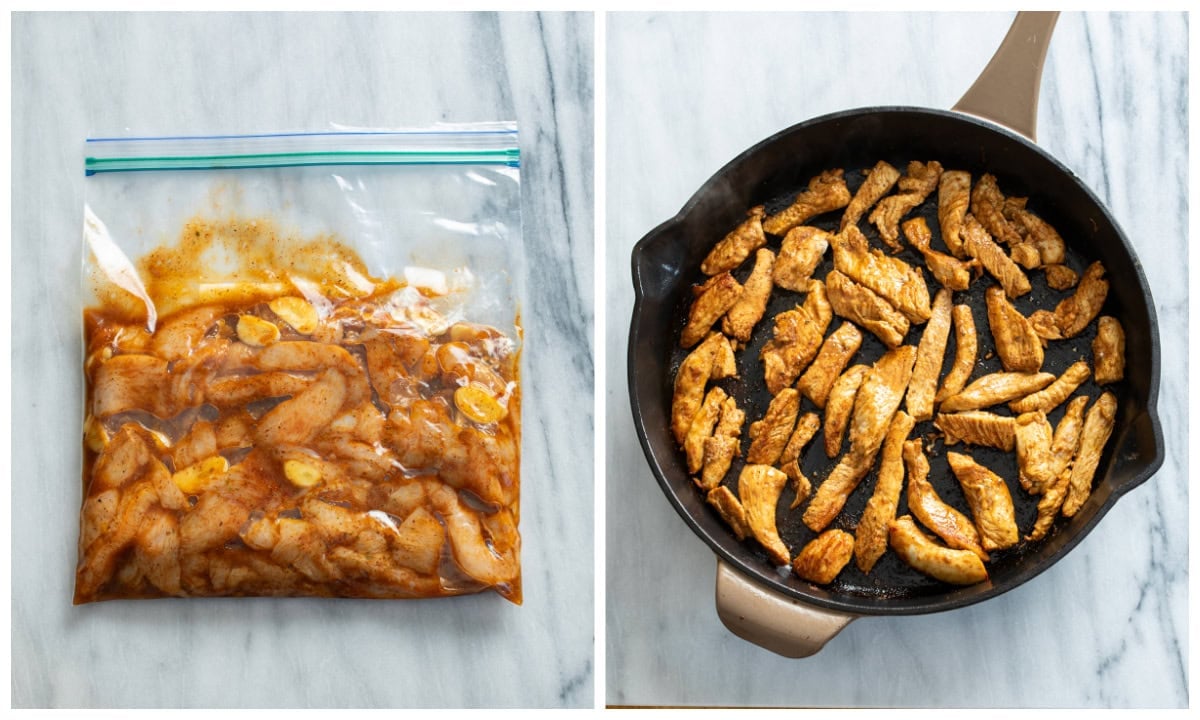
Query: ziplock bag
point(302, 356)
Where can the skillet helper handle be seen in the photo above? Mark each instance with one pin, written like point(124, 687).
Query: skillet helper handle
point(1006, 92)
point(771, 621)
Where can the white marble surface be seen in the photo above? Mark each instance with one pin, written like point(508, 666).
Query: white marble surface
point(163, 74)
point(1106, 626)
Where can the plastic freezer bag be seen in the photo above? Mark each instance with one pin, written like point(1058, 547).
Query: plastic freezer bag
point(301, 364)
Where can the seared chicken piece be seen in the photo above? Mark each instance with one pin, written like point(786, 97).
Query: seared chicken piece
point(1026, 255)
point(825, 192)
point(987, 205)
point(816, 304)
point(976, 427)
point(759, 487)
point(891, 278)
point(954, 195)
point(1035, 464)
point(966, 347)
point(1049, 505)
point(713, 299)
point(991, 504)
point(838, 407)
point(724, 363)
point(801, 482)
point(995, 389)
point(1050, 246)
point(915, 186)
point(1055, 393)
point(739, 322)
point(731, 511)
point(979, 245)
point(1108, 351)
point(1073, 314)
point(954, 528)
point(1064, 447)
point(1097, 427)
point(1045, 324)
point(798, 336)
point(928, 365)
point(862, 306)
point(832, 494)
point(799, 255)
point(832, 358)
point(949, 271)
point(690, 383)
point(733, 250)
point(722, 447)
point(870, 537)
point(1019, 347)
point(824, 556)
point(881, 179)
point(958, 567)
point(702, 428)
point(769, 435)
point(789, 459)
point(1061, 277)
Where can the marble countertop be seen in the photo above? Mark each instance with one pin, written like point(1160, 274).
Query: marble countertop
point(1107, 625)
point(80, 74)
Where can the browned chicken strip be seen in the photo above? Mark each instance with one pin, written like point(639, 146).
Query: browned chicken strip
point(949, 271)
point(838, 407)
point(735, 247)
point(954, 195)
point(1049, 504)
point(789, 459)
point(958, 567)
point(1026, 255)
point(870, 537)
point(977, 427)
point(954, 528)
point(1045, 324)
point(881, 179)
point(690, 383)
point(832, 494)
point(731, 511)
point(1035, 465)
point(1064, 447)
point(702, 428)
point(863, 307)
point(825, 192)
point(979, 245)
point(724, 361)
point(966, 348)
point(1061, 277)
point(987, 205)
point(723, 446)
point(1019, 347)
point(1097, 426)
point(759, 487)
point(930, 353)
point(1073, 314)
point(824, 556)
point(1050, 246)
point(801, 252)
point(1055, 393)
point(739, 322)
point(800, 481)
point(891, 278)
point(832, 358)
point(769, 435)
point(991, 504)
point(797, 338)
point(1108, 351)
point(713, 299)
point(914, 187)
point(995, 389)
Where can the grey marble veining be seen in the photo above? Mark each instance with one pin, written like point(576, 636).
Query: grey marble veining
point(1107, 625)
point(90, 74)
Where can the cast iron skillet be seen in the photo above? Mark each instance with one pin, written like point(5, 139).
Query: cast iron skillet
point(782, 612)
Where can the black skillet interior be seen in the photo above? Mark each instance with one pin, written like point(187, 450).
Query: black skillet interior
point(666, 265)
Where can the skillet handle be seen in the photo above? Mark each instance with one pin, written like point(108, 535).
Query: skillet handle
point(1006, 92)
point(772, 621)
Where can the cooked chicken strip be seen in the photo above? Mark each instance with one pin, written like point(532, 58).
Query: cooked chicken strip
point(966, 347)
point(976, 427)
point(1035, 465)
point(1055, 393)
point(1045, 324)
point(979, 245)
point(824, 556)
point(735, 247)
point(954, 528)
point(739, 322)
point(789, 459)
point(702, 428)
point(690, 383)
point(891, 278)
point(759, 487)
point(1108, 351)
point(954, 195)
point(1097, 427)
point(825, 192)
point(1061, 277)
point(863, 307)
point(816, 304)
point(832, 358)
point(991, 504)
point(801, 252)
point(731, 511)
point(1064, 447)
point(838, 407)
point(930, 353)
point(881, 179)
point(1049, 505)
point(797, 338)
point(1026, 255)
point(1073, 314)
point(1050, 246)
point(958, 567)
point(995, 389)
point(713, 299)
point(803, 485)
point(1019, 347)
point(949, 271)
point(724, 364)
point(987, 205)
point(915, 186)
point(870, 537)
point(769, 435)
point(723, 446)
point(832, 494)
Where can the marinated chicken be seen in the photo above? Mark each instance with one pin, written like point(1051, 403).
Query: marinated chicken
point(723, 446)
point(949, 271)
point(1050, 246)
point(987, 205)
point(1019, 347)
point(713, 299)
point(894, 280)
point(1035, 464)
point(835, 353)
point(870, 537)
point(954, 196)
point(991, 504)
point(914, 187)
point(789, 460)
point(838, 407)
point(1026, 255)
point(739, 322)
point(1108, 351)
point(1061, 277)
point(731, 511)
point(957, 567)
point(798, 335)
point(759, 487)
point(690, 382)
point(769, 435)
point(1056, 392)
point(930, 353)
point(879, 181)
point(977, 427)
point(979, 244)
point(826, 192)
point(1074, 314)
point(799, 255)
point(966, 348)
point(702, 428)
point(863, 307)
point(996, 388)
point(735, 247)
point(954, 528)
point(1097, 427)
point(1064, 448)
point(824, 556)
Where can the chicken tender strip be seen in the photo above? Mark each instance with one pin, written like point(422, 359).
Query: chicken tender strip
point(949, 271)
point(1035, 465)
point(1108, 351)
point(702, 428)
point(769, 435)
point(801, 252)
point(1061, 277)
point(759, 487)
point(797, 337)
point(957, 567)
point(1050, 246)
point(931, 351)
point(1019, 347)
point(863, 307)
point(1045, 324)
point(789, 459)
point(731, 511)
point(735, 247)
point(690, 383)
point(801, 482)
point(987, 205)
point(871, 535)
point(996, 388)
point(832, 494)
point(713, 300)
point(825, 192)
point(1055, 393)
point(824, 556)
point(1073, 314)
point(879, 181)
point(739, 322)
point(1049, 505)
point(838, 407)
point(915, 186)
point(991, 504)
point(723, 446)
point(1064, 447)
point(979, 245)
point(832, 358)
point(1026, 255)
point(954, 195)
point(954, 528)
point(891, 278)
point(966, 348)
point(1097, 427)
point(976, 427)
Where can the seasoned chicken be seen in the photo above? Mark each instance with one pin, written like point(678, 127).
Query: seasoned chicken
point(724, 363)
point(769, 435)
point(1045, 324)
point(954, 528)
point(1108, 351)
point(1019, 347)
point(1073, 314)
point(881, 179)
point(713, 299)
point(1026, 255)
point(832, 494)
point(987, 205)
point(702, 428)
point(801, 252)
point(797, 338)
point(1055, 393)
point(759, 487)
point(824, 556)
point(690, 383)
point(1035, 464)
point(838, 407)
point(976, 427)
point(731, 511)
point(722, 447)
point(966, 347)
point(930, 353)
point(1063, 448)
point(996, 388)
point(825, 192)
point(991, 504)
point(870, 537)
point(863, 307)
point(915, 186)
point(954, 195)
point(1061, 277)
point(789, 459)
point(979, 245)
point(735, 247)
point(958, 567)
point(832, 358)
point(1097, 426)
point(891, 278)
point(1050, 246)
point(949, 271)
point(1049, 504)
point(739, 322)
point(800, 481)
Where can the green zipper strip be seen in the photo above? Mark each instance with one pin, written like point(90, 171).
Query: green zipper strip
point(507, 156)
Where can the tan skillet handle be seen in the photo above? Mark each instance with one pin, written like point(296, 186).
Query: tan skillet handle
point(1006, 92)
point(772, 621)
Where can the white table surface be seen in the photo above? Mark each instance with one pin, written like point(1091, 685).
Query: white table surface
point(1106, 626)
point(81, 74)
